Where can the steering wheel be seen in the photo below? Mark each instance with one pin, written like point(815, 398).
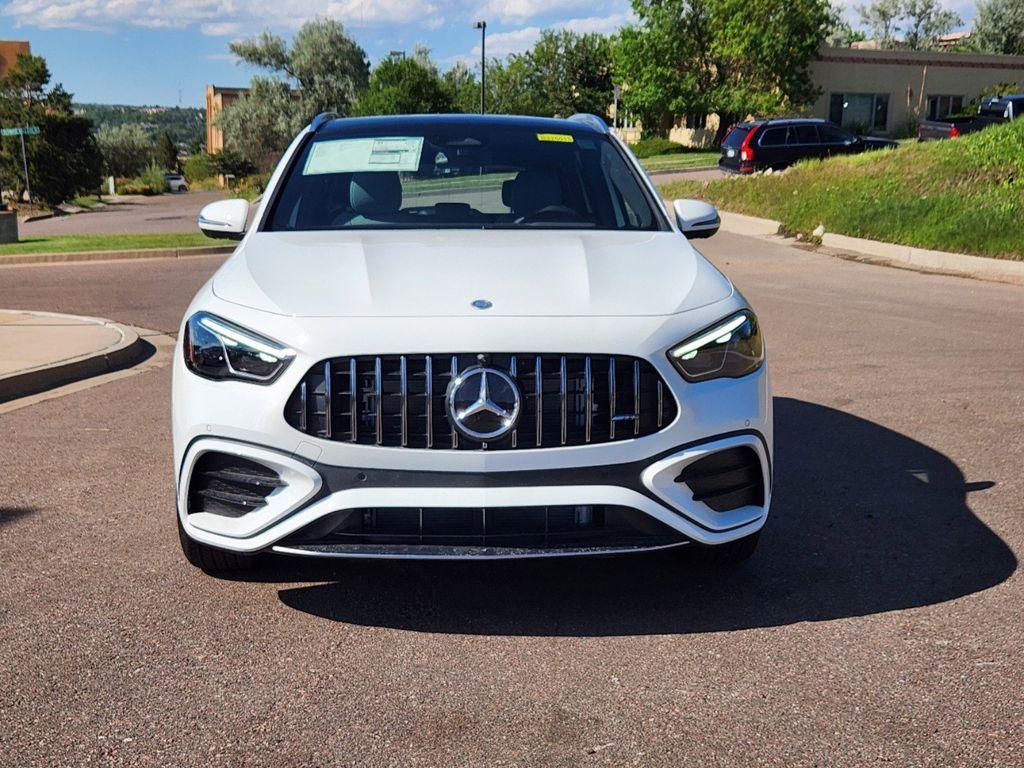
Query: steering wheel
point(549, 213)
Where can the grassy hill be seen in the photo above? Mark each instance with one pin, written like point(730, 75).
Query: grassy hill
point(964, 195)
point(184, 124)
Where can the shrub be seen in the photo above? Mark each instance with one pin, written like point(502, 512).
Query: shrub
point(134, 187)
point(651, 147)
point(153, 175)
point(197, 167)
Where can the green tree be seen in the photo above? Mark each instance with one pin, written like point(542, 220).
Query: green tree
point(840, 34)
point(126, 149)
point(924, 21)
point(406, 85)
point(999, 27)
point(63, 159)
point(464, 86)
point(165, 153)
point(231, 163)
point(766, 67)
point(262, 123)
point(913, 24)
point(666, 62)
point(322, 70)
point(510, 88)
point(881, 19)
point(568, 73)
point(719, 56)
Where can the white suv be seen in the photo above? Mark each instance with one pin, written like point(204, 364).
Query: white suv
point(457, 336)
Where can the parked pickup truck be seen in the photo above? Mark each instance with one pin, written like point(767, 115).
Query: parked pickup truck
point(992, 111)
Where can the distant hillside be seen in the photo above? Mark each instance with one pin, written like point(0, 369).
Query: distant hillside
point(184, 124)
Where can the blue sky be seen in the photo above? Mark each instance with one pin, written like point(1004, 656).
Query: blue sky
point(166, 51)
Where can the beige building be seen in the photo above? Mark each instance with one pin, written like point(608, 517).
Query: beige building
point(887, 92)
point(216, 99)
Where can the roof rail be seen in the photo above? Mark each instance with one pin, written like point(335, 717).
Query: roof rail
point(320, 120)
point(592, 120)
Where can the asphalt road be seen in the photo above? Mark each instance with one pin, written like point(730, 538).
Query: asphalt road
point(131, 214)
point(879, 623)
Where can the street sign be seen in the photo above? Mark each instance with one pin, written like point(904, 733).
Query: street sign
point(28, 130)
point(22, 131)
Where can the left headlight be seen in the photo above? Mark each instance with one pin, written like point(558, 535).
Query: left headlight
point(217, 349)
point(729, 349)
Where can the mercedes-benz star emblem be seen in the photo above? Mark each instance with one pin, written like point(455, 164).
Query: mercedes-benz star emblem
point(484, 403)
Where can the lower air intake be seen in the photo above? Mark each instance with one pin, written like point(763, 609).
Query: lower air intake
point(473, 530)
point(230, 486)
point(726, 480)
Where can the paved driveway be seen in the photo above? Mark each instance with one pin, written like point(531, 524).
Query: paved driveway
point(879, 623)
point(130, 214)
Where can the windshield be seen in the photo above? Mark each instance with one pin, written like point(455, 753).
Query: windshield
point(462, 177)
point(735, 138)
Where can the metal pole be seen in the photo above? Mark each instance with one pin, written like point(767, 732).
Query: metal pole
point(482, 26)
point(24, 164)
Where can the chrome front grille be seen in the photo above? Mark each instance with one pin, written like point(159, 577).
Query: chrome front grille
point(400, 400)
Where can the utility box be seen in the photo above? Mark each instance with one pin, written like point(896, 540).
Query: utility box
point(8, 227)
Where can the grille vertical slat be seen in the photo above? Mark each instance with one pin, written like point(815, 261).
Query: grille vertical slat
point(588, 400)
point(328, 432)
point(611, 398)
point(567, 400)
point(538, 398)
point(514, 373)
point(636, 397)
point(353, 399)
point(429, 394)
point(562, 386)
point(455, 375)
point(404, 387)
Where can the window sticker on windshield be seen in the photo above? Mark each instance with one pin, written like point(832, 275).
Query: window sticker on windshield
point(386, 153)
point(561, 138)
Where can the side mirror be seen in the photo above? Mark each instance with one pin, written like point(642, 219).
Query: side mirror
point(696, 218)
point(224, 219)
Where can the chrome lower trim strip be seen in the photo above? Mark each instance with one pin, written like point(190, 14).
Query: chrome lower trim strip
point(530, 555)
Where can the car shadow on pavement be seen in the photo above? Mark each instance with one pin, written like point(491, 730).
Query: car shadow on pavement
point(10, 514)
point(864, 520)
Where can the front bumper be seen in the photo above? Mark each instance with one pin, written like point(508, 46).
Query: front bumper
point(323, 477)
point(315, 492)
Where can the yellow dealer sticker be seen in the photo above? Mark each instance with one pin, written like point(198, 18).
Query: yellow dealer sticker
point(563, 138)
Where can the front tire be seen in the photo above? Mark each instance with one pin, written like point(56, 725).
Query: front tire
point(211, 559)
point(732, 553)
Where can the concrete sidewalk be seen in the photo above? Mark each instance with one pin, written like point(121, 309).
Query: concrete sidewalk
point(43, 350)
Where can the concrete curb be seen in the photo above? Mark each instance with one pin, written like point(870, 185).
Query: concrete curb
point(889, 254)
point(687, 169)
point(125, 255)
point(130, 349)
point(924, 260)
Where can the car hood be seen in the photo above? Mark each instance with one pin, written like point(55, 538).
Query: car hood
point(440, 273)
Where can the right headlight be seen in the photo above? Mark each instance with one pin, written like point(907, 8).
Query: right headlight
point(730, 348)
point(216, 348)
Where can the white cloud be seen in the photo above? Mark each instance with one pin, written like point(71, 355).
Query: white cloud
point(221, 28)
point(503, 43)
point(522, 10)
point(216, 17)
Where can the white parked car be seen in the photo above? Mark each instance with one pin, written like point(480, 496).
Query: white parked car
point(176, 182)
point(458, 336)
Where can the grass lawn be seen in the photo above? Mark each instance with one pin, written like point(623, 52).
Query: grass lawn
point(679, 160)
point(85, 201)
point(964, 195)
point(76, 243)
